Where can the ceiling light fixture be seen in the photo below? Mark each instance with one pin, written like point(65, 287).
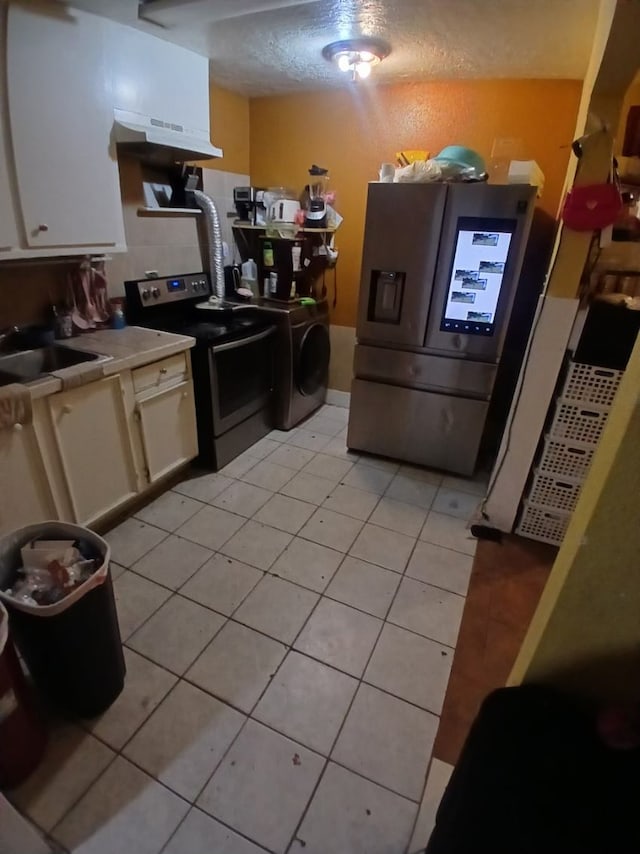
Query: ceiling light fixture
point(357, 56)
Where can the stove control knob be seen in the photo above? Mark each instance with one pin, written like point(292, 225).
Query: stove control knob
point(155, 293)
point(145, 294)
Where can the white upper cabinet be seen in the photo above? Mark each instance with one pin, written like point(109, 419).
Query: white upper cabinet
point(9, 240)
point(61, 116)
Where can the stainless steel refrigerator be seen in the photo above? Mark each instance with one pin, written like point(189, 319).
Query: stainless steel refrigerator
point(440, 267)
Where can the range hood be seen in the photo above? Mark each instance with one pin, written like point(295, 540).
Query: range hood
point(155, 139)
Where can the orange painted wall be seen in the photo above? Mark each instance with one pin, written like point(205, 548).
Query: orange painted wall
point(352, 131)
point(229, 120)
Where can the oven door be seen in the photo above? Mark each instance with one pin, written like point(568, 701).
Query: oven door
point(241, 375)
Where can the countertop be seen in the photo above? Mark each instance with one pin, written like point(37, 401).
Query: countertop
point(122, 349)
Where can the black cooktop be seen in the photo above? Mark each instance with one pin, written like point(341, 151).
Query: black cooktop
point(218, 331)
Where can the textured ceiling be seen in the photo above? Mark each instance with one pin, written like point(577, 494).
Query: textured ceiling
point(279, 49)
point(262, 47)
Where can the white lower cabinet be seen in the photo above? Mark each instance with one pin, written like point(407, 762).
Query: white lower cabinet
point(25, 495)
point(91, 449)
point(168, 429)
point(91, 432)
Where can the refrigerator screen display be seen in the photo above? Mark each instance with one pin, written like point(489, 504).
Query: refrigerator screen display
point(477, 274)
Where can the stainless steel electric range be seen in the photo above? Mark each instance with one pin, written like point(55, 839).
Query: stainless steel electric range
point(232, 361)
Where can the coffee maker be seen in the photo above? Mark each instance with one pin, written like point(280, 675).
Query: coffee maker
point(249, 204)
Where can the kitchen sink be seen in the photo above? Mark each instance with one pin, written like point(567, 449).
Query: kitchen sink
point(31, 365)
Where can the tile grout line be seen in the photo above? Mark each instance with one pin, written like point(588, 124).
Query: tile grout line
point(335, 741)
point(289, 648)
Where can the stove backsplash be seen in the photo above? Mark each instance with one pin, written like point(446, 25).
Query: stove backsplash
point(166, 244)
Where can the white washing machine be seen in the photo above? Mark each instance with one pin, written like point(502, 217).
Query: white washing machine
point(302, 363)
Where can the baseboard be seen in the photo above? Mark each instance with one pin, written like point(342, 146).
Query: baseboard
point(338, 398)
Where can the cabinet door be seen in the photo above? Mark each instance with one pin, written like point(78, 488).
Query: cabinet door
point(168, 426)
point(61, 117)
point(92, 435)
point(8, 226)
point(25, 496)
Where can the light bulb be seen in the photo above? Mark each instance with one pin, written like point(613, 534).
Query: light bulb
point(366, 56)
point(344, 63)
point(363, 69)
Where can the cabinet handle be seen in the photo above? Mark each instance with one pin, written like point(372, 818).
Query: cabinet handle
point(67, 408)
point(185, 394)
point(17, 427)
point(43, 227)
point(163, 370)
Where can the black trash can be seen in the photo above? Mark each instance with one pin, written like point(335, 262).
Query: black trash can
point(72, 648)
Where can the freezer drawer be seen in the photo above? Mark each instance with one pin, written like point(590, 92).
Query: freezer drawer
point(420, 370)
point(438, 430)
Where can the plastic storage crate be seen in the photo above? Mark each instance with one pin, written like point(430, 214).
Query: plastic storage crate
point(550, 491)
point(543, 523)
point(578, 422)
point(591, 384)
point(566, 459)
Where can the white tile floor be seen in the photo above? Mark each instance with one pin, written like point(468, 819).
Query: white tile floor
point(289, 625)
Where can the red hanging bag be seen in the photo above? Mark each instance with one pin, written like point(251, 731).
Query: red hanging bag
point(593, 206)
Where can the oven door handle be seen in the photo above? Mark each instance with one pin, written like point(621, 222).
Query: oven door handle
point(234, 345)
